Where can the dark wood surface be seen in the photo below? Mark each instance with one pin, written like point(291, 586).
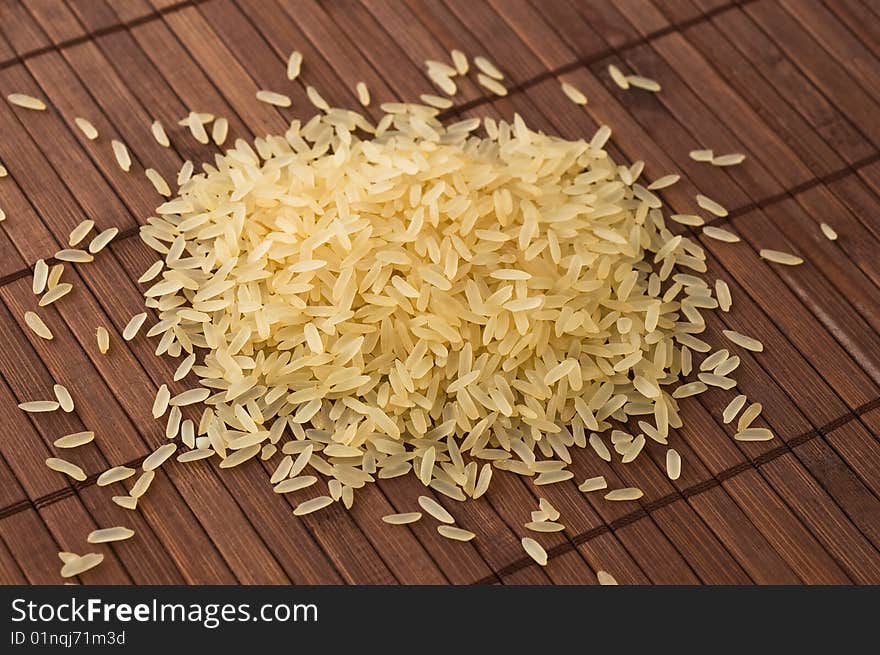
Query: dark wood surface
point(795, 84)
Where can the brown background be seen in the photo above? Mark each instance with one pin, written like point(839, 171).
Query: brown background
point(794, 84)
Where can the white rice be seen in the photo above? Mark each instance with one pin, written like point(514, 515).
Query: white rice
point(41, 276)
point(55, 293)
point(455, 533)
point(74, 256)
point(79, 233)
point(133, 326)
point(74, 440)
point(488, 68)
point(219, 131)
point(435, 509)
point(544, 526)
point(644, 83)
point(312, 505)
point(158, 182)
point(743, 341)
point(158, 132)
point(67, 468)
point(316, 99)
point(294, 64)
point(618, 77)
point(81, 564)
point(65, 401)
point(294, 484)
point(107, 535)
point(746, 419)
point(102, 239)
point(534, 550)
point(754, 434)
point(720, 234)
point(86, 128)
point(460, 61)
point(160, 404)
point(702, 155)
point(627, 493)
point(139, 488)
point(779, 257)
point(273, 98)
point(402, 519)
point(673, 464)
point(363, 94)
point(711, 206)
point(828, 231)
point(492, 85)
point(158, 457)
point(115, 474)
point(605, 579)
point(729, 160)
point(120, 152)
point(574, 94)
point(126, 502)
point(663, 182)
point(722, 292)
point(26, 102)
point(36, 406)
point(733, 408)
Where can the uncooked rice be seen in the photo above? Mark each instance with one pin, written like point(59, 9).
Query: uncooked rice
point(41, 276)
point(574, 94)
point(79, 233)
point(294, 64)
point(62, 395)
point(133, 326)
point(534, 550)
point(492, 85)
point(828, 231)
point(74, 256)
point(115, 474)
point(435, 509)
point(720, 234)
point(26, 102)
point(139, 488)
point(86, 128)
point(158, 182)
point(81, 564)
point(627, 493)
point(702, 155)
point(731, 159)
point(711, 206)
point(316, 99)
point(722, 293)
point(644, 83)
point(312, 505)
point(460, 61)
point(273, 98)
point(673, 464)
point(126, 502)
point(743, 341)
point(219, 131)
point(363, 94)
point(158, 457)
point(158, 132)
point(664, 182)
point(74, 440)
point(102, 239)
point(754, 434)
point(67, 468)
point(488, 68)
point(106, 535)
point(120, 152)
point(780, 257)
point(402, 519)
point(605, 579)
point(37, 406)
point(544, 526)
point(455, 533)
point(618, 77)
point(733, 408)
point(746, 419)
point(443, 81)
point(55, 293)
point(294, 484)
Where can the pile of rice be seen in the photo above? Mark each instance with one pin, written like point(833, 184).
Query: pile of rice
point(409, 296)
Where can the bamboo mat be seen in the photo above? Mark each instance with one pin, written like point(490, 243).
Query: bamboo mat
point(795, 84)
